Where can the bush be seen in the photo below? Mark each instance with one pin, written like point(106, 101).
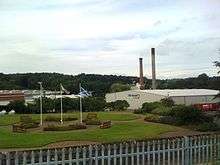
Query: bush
point(64, 127)
point(207, 126)
point(167, 119)
point(57, 119)
point(168, 102)
point(148, 107)
point(19, 106)
point(118, 105)
point(152, 118)
point(138, 111)
point(187, 114)
point(162, 111)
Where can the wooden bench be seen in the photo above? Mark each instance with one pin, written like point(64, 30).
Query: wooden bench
point(18, 128)
point(106, 124)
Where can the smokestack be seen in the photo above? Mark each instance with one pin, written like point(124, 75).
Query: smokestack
point(141, 80)
point(153, 68)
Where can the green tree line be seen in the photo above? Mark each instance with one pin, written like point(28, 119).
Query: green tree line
point(99, 84)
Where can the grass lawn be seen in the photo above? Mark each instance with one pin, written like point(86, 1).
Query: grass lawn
point(113, 116)
point(129, 129)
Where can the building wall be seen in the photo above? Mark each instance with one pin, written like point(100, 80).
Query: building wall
point(134, 98)
point(190, 100)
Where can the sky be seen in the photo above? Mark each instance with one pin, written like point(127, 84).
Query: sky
point(109, 36)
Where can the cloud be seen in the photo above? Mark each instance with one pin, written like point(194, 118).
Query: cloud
point(107, 37)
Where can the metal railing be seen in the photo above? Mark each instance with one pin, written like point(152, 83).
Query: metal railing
point(202, 149)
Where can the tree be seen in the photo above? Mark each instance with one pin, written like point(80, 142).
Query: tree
point(118, 105)
point(18, 106)
point(217, 64)
point(117, 87)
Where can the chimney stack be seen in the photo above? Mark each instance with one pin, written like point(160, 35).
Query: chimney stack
point(141, 80)
point(153, 68)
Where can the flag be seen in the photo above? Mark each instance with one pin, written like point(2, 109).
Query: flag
point(84, 93)
point(63, 89)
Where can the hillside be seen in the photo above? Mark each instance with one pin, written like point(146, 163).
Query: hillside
point(100, 84)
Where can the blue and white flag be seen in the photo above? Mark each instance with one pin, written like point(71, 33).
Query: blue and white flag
point(84, 93)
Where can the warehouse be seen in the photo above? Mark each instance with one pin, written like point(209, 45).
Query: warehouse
point(199, 97)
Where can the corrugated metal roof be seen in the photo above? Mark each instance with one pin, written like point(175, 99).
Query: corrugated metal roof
point(182, 92)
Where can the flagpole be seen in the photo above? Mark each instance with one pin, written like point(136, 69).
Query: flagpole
point(61, 106)
point(80, 103)
point(41, 111)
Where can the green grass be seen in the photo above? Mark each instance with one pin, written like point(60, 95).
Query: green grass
point(114, 116)
point(129, 129)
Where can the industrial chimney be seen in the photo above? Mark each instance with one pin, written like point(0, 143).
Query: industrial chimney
point(153, 68)
point(141, 80)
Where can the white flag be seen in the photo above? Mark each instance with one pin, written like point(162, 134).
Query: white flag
point(63, 89)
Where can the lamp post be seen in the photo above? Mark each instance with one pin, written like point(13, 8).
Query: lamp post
point(41, 115)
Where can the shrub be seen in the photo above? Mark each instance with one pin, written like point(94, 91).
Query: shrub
point(168, 102)
point(148, 107)
point(138, 111)
point(167, 119)
point(187, 114)
point(118, 105)
point(207, 126)
point(64, 127)
point(57, 119)
point(151, 118)
point(162, 111)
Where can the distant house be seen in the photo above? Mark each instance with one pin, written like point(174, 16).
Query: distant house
point(6, 96)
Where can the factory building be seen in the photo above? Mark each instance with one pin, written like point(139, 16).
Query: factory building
point(203, 98)
point(6, 96)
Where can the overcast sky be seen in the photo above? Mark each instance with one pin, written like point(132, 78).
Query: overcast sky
point(108, 36)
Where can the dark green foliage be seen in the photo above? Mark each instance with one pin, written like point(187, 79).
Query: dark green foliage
point(162, 111)
point(167, 120)
point(187, 114)
point(119, 105)
point(217, 64)
point(93, 104)
point(64, 127)
point(18, 106)
point(117, 87)
point(148, 107)
point(57, 119)
point(168, 102)
point(138, 111)
point(207, 126)
point(100, 84)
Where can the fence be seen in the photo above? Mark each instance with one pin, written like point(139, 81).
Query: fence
point(202, 149)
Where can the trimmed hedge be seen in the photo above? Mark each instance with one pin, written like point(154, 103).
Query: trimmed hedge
point(57, 119)
point(64, 127)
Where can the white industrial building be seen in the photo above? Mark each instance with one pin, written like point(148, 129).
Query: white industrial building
point(136, 98)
